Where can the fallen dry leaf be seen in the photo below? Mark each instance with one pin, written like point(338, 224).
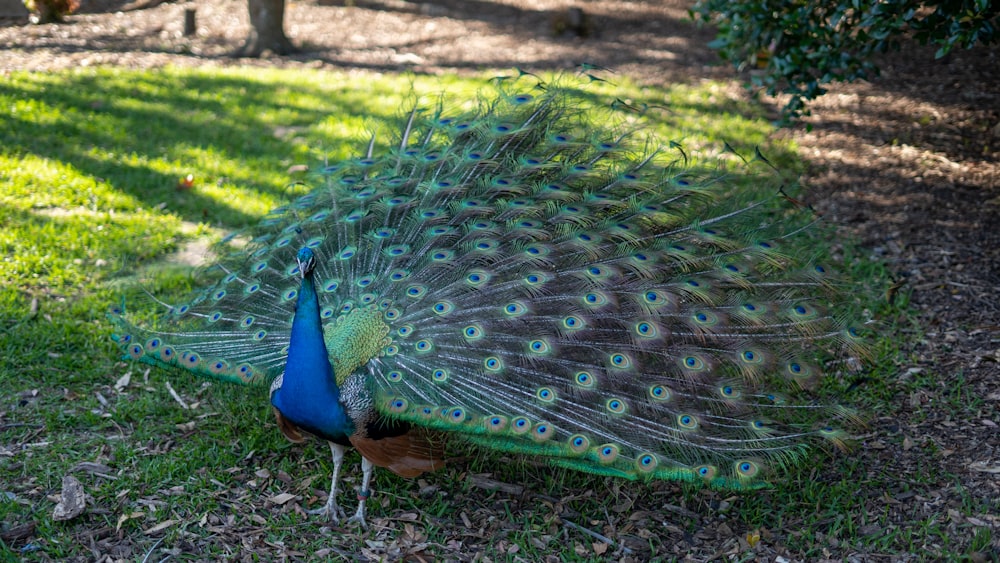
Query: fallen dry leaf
point(126, 517)
point(72, 501)
point(94, 468)
point(160, 527)
point(282, 498)
point(985, 467)
point(123, 381)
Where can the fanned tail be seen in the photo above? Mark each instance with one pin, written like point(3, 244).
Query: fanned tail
point(524, 278)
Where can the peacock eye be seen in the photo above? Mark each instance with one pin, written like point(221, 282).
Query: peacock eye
point(529, 276)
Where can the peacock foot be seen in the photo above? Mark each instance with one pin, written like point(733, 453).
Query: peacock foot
point(363, 494)
point(330, 510)
point(358, 519)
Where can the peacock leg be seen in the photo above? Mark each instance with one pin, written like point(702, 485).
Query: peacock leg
point(330, 509)
point(367, 468)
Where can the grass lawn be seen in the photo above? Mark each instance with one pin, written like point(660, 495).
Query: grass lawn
point(106, 172)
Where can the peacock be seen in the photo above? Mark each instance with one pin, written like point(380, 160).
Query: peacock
point(518, 275)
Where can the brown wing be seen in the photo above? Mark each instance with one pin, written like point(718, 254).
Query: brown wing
point(406, 455)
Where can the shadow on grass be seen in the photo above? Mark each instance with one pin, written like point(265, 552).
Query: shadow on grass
point(139, 132)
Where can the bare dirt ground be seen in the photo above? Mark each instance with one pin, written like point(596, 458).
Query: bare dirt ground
point(909, 163)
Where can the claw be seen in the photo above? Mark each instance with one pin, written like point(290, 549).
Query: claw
point(358, 519)
point(330, 510)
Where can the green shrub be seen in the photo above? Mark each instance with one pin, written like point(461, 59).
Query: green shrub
point(801, 45)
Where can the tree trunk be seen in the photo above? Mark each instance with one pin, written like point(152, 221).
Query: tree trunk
point(267, 30)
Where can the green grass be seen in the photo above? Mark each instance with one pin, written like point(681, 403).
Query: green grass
point(90, 165)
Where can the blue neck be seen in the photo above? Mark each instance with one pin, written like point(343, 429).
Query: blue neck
point(309, 395)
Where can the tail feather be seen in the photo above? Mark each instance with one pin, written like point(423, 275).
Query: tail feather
point(550, 287)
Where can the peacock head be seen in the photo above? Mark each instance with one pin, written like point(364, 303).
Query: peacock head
point(307, 261)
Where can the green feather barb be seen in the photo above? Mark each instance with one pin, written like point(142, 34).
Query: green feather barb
point(527, 279)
